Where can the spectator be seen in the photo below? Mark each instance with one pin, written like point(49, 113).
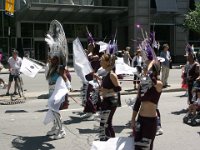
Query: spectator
point(165, 65)
point(127, 56)
point(137, 62)
point(14, 66)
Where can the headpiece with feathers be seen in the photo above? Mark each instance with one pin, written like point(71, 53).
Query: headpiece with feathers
point(57, 42)
point(189, 49)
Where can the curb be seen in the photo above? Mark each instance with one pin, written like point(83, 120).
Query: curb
point(77, 94)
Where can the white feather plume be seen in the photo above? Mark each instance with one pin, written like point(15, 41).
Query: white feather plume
point(50, 41)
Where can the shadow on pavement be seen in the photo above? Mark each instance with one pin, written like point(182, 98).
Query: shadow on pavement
point(76, 120)
point(32, 143)
point(87, 131)
point(42, 110)
point(183, 111)
point(198, 133)
point(15, 111)
point(78, 113)
point(43, 96)
point(119, 129)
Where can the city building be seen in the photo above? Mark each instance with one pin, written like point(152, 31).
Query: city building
point(26, 30)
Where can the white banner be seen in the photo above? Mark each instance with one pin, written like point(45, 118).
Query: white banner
point(122, 68)
point(82, 65)
point(118, 143)
point(29, 68)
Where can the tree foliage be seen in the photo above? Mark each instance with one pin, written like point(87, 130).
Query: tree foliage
point(192, 19)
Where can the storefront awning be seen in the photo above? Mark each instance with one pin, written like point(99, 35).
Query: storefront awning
point(46, 12)
point(166, 6)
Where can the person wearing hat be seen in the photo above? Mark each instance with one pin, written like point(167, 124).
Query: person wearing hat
point(137, 62)
point(15, 63)
point(165, 65)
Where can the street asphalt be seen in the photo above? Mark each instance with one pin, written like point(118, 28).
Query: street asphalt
point(22, 127)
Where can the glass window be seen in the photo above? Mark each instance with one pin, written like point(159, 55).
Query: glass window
point(13, 43)
point(69, 30)
point(1, 24)
point(9, 21)
point(40, 30)
point(80, 31)
point(4, 45)
point(27, 43)
point(27, 30)
point(192, 4)
point(153, 4)
point(106, 3)
point(123, 2)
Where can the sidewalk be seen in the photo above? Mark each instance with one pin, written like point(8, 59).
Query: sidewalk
point(127, 87)
point(76, 93)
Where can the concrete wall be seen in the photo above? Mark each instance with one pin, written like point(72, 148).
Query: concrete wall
point(138, 14)
point(181, 35)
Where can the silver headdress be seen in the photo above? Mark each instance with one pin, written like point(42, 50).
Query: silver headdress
point(57, 42)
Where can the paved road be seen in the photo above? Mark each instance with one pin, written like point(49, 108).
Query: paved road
point(21, 126)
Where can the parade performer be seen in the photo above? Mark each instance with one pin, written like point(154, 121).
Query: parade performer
point(55, 102)
point(58, 55)
point(109, 91)
point(52, 74)
point(192, 72)
point(150, 89)
point(92, 104)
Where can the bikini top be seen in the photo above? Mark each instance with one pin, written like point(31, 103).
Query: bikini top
point(151, 95)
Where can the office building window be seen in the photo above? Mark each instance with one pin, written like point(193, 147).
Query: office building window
point(153, 3)
point(4, 44)
point(40, 30)
point(27, 43)
point(80, 30)
point(1, 24)
point(194, 38)
point(27, 30)
point(9, 22)
point(69, 30)
point(192, 4)
point(106, 3)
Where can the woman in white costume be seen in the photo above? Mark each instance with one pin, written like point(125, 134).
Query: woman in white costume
point(54, 102)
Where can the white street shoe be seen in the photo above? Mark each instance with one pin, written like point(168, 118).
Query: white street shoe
point(52, 132)
point(159, 131)
point(60, 135)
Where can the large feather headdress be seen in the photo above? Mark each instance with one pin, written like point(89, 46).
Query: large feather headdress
point(57, 41)
point(189, 49)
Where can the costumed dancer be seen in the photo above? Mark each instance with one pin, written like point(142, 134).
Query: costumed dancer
point(192, 72)
point(58, 55)
point(109, 91)
point(52, 73)
point(150, 89)
point(55, 103)
point(92, 98)
point(191, 116)
point(184, 71)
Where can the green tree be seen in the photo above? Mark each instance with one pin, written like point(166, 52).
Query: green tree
point(192, 19)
